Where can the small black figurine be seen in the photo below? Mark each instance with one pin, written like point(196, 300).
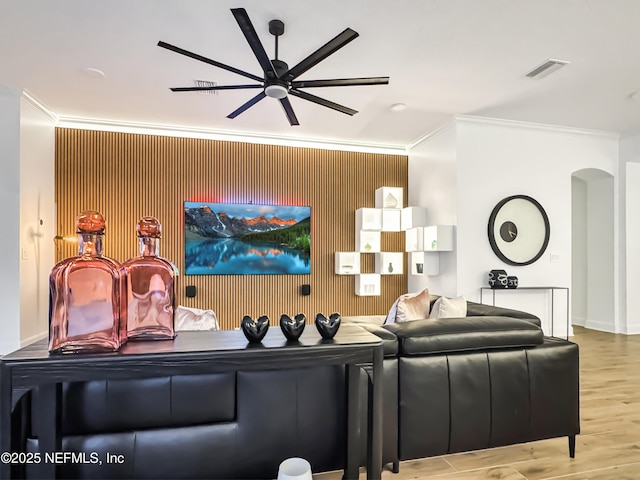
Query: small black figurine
point(255, 330)
point(292, 327)
point(328, 326)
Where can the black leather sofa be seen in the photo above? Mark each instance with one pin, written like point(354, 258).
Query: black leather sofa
point(451, 385)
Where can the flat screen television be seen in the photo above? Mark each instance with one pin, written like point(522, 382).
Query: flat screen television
point(246, 239)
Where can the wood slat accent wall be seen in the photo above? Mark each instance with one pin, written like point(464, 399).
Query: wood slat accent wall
point(126, 176)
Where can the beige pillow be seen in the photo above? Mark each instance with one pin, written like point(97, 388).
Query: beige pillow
point(414, 307)
point(446, 307)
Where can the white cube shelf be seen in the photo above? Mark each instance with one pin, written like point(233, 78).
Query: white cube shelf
point(416, 263)
point(391, 219)
point(389, 197)
point(367, 242)
point(438, 238)
point(389, 263)
point(413, 217)
point(424, 263)
point(347, 263)
point(413, 240)
point(367, 284)
point(369, 219)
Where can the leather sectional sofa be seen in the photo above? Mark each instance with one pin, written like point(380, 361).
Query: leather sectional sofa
point(450, 385)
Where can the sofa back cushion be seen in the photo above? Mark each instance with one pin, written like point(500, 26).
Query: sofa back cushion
point(465, 334)
point(445, 307)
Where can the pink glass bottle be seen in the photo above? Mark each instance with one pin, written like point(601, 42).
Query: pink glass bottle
point(85, 310)
point(150, 283)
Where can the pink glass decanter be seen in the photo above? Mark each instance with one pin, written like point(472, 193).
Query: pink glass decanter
point(150, 283)
point(85, 293)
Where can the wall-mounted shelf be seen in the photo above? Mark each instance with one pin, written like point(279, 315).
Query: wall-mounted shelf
point(367, 242)
point(369, 219)
point(412, 217)
point(389, 263)
point(389, 197)
point(438, 238)
point(368, 284)
point(347, 263)
point(423, 242)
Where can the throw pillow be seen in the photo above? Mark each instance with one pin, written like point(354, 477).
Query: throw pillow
point(187, 318)
point(446, 307)
point(392, 316)
point(414, 307)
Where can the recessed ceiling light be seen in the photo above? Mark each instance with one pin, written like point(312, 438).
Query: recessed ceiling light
point(635, 95)
point(398, 107)
point(94, 72)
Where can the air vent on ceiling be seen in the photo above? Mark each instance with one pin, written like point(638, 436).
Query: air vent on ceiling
point(548, 67)
point(206, 83)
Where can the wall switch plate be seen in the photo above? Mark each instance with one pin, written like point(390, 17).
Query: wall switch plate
point(555, 257)
point(190, 291)
point(24, 254)
point(305, 290)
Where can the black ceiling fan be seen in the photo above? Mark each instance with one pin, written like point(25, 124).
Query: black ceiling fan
point(279, 80)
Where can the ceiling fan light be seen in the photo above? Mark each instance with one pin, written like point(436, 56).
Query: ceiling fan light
point(275, 91)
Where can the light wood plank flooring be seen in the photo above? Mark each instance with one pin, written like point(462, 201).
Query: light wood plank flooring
point(607, 449)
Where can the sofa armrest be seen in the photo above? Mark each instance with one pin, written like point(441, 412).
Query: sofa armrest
point(389, 340)
point(482, 310)
point(427, 337)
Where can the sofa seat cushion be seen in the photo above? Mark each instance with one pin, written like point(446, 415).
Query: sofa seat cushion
point(428, 337)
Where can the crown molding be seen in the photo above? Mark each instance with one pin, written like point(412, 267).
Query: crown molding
point(34, 102)
point(474, 120)
point(209, 134)
point(449, 124)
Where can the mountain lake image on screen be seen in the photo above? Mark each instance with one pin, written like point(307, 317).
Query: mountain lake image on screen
point(246, 239)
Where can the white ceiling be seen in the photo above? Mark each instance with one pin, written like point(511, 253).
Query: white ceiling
point(443, 57)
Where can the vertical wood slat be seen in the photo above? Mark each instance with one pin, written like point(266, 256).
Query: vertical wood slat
point(126, 176)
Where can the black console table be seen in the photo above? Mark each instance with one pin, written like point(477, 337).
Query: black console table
point(192, 353)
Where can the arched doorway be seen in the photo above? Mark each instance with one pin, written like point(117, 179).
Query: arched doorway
point(592, 250)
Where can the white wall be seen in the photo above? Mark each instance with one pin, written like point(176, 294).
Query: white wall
point(633, 247)
point(496, 159)
point(579, 272)
point(600, 255)
point(9, 220)
point(432, 184)
point(37, 219)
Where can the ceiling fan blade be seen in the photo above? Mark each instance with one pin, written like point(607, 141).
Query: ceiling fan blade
point(254, 41)
point(323, 52)
point(195, 56)
point(323, 102)
point(245, 106)
point(340, 82)
point(288, 110)
point(217, 87)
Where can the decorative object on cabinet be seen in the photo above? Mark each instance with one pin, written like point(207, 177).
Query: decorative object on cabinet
point(498, 279)
point(255, 330)
point(512, 282)
point(518, 230)
point(88, 308)
point(328, 327)
point(292, 328)
point(150, 287)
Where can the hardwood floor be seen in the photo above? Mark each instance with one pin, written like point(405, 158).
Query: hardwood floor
point(607, 449)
